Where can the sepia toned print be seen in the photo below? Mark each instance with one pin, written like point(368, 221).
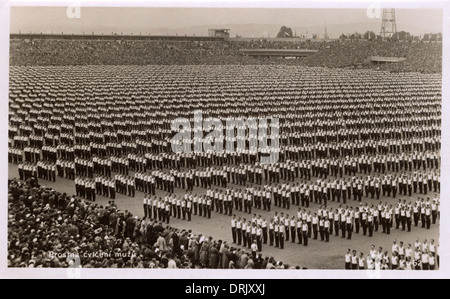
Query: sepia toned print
point(227, 139)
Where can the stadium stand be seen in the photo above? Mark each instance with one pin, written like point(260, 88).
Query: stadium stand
point(420, 57)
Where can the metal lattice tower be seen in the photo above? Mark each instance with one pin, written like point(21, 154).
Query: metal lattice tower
point(388, 25)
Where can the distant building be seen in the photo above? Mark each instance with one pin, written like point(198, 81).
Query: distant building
point(224, 33)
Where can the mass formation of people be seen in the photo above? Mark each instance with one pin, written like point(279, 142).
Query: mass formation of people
point(345, 136)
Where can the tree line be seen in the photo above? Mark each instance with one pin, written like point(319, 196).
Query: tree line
point(399, 36)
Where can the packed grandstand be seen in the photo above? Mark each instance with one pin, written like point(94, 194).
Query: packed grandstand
point(422, 57)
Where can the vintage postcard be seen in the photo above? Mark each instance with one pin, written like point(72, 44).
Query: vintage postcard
point(180, 140)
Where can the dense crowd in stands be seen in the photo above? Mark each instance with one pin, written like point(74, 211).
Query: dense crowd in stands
point(420, 56)
point(49, 229)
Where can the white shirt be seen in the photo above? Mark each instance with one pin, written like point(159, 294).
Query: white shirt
point(348, 257)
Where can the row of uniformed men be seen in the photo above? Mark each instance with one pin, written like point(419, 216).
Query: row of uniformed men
point(345, 219)
point(67, 139)
point(422, 257)
point(102, 166)
point(281, 228)
point(360, 147)
point(84, 151)
point(163, 208)
point(27, 171)
point(338, 188)
point(84, 126)
point(345, 149)
point(311, 130)
point(65, 169)
point(65, 152)
point(293, 135)
point(299, 134)
point(316, 127)
point(46, 171)
point(253, 174)
point(106, 186)
point(20, 141)
point(15, 155)
point(284, 195)
point(125, 185)
point(49, 153)
point(32, 154)
point(84, 168)
point(286, 170)
point(281, 195)
point(252, 197)
point(86, 188)
point(127, 134)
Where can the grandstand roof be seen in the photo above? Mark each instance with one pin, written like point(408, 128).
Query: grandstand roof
point(386, 59)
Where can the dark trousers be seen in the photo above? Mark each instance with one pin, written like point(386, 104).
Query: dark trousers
point(281, 237)
point(299, 235)
point(357, 225)
point(167, 217)
point(370, 229)
point(349, 231)
point(305, 238)
point(145, 211)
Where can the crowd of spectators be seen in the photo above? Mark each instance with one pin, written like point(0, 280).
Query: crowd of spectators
point(49, 229)
point(420, 56)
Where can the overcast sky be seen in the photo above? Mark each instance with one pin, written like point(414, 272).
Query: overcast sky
point(184, 20)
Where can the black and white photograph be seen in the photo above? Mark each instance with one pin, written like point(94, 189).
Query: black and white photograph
point(219, 138)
